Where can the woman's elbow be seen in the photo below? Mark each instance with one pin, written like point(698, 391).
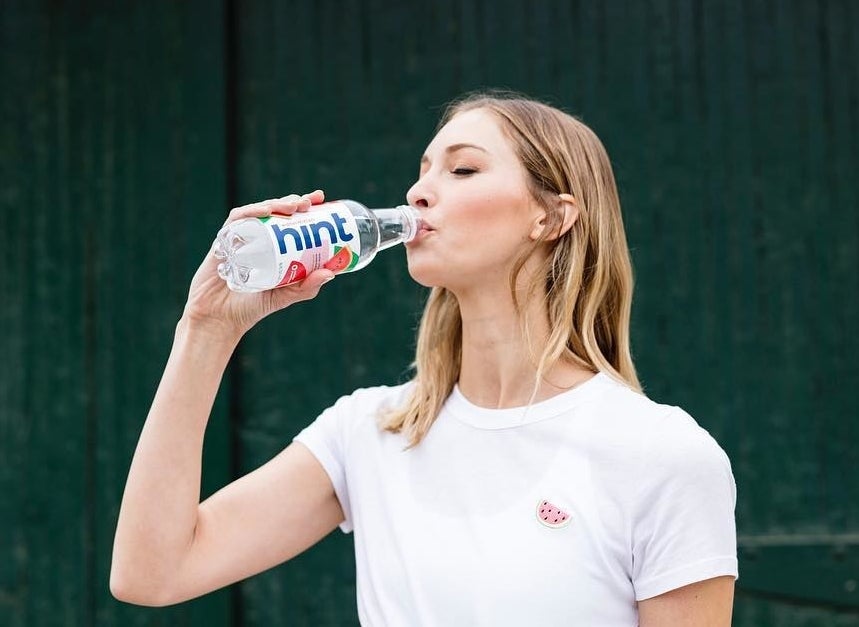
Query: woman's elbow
point(127, 589)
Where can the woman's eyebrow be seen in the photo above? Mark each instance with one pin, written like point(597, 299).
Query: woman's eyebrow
point(453, 148)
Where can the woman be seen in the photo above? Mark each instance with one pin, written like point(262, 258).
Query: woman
point(520, 477)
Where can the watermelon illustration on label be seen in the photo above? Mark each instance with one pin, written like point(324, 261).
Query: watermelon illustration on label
point(551, 515)
point(354, 262)
point(341, 260)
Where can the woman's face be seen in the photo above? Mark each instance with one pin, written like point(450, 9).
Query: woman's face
point(472, 192)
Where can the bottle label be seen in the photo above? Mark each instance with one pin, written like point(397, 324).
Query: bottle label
point(320, 238)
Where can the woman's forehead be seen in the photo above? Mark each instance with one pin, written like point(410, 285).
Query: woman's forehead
point(477, 127)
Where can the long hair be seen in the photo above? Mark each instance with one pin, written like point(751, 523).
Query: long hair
point(586, 281)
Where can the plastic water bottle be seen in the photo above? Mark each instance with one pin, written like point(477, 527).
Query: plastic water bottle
point(263, 253)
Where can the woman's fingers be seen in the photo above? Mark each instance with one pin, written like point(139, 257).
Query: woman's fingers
point(300, 203)
point(283, 206)
point(317, 197)
point(307, 289)
point(286, 206)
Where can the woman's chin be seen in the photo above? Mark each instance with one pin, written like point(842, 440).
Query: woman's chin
point(424, 275)
point(424, 280)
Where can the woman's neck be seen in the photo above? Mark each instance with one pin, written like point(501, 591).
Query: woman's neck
point(497, 369)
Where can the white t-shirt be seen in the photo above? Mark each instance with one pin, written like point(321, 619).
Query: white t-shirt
point(567, 514)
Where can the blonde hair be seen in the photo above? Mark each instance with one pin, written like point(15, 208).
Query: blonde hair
point(586, 281)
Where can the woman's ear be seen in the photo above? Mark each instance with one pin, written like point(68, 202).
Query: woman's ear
point(569, 210)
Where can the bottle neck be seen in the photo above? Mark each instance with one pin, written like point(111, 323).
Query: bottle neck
point(397, 226)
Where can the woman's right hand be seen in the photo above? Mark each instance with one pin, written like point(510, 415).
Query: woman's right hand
point(211, 304)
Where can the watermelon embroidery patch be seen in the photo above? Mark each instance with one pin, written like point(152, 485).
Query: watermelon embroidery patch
point(551, 515)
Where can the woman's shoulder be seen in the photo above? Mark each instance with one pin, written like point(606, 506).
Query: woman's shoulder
point(364, 405)
point(664, 426)
point(630, 408)
point(655, 442)
point(376, 397)
point(357, 411)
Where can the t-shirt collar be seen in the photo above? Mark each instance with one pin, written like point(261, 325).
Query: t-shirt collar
point(485, 418)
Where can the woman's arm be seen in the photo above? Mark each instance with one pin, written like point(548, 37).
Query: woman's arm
point(158, 515)
point(168, 546)
point(707, 603)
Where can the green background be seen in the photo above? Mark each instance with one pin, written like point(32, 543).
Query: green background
point(129, 129)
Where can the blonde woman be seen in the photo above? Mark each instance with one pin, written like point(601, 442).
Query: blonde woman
point(520, 478)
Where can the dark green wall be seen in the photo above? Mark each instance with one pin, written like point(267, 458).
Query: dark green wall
point(112, 159)
point(128, 131)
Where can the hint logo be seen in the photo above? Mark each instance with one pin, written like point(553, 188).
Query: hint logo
point(308, 235)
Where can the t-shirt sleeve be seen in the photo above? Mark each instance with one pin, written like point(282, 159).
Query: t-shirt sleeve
point(326, 439)
point(683, 528)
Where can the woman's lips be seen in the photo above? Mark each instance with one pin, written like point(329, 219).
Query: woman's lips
point(424, 229)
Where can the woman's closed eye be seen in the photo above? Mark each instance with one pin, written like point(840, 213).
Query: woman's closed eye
point(463, 171)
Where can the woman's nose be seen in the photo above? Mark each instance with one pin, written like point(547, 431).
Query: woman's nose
point(419, 196)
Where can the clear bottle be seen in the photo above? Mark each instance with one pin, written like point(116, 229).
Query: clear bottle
point(263, 253)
